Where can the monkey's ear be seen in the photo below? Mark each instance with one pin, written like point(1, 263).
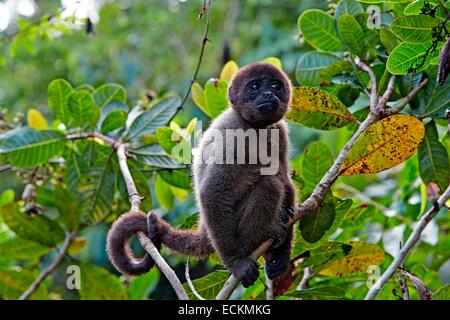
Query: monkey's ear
point(231, 95)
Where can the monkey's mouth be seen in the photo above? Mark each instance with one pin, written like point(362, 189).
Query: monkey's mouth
point(267, 106)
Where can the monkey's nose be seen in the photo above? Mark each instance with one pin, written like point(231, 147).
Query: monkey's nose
point(267, 94)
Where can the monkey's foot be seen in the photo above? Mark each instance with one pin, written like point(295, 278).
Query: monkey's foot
point(276, 267)
point(286, 214)
point(245, 269)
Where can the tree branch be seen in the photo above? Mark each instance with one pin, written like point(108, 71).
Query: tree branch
point(189, 281)
point(147, 244)
point(307, 275)
point(387, 94)
point(45, 273)
point(373, 83)
point(405, 100)
point(409, 245)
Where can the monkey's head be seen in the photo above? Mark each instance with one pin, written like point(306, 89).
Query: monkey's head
point(261, 93)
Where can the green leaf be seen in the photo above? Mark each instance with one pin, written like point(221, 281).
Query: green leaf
point(352, 34)
point(216, 96)
point(35, 228)
point(81, 105)
point(383, 145)
point(154, 155)
point(310, 64)
point(33, 147)
point(114, 120)
point(141, 287)
point(191, 221)
point(64, 201)
point(438, 103)
point(14, 282)
point(341, 209)
point(154, 118)
point(352, 7)
point(316, 161)
point(20, 249)
point(76, 167)
point(97, 190)
point(318, 29)
point(326, 253)
point(109, 92)
point(388, 39)
point(314, 225)
point(177, 178)
point(198, 96)
point(6, 197)
point(409, 55)
point(361, 256)
point(59, 91)
point(99, 284)
point(318, 293)
point(163, 193)
point(414, 29)
point(317, 109)
point(433, 159)
point(208, 286)
point(167, 139)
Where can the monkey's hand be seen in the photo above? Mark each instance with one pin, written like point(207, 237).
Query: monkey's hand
point(245, 269)
point(286, 214)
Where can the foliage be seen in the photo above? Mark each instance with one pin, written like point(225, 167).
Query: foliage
point(60, 175)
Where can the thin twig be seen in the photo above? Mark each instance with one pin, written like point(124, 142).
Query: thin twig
point(307, 276)
point(373, 83)
point(5, 168)
point(269, 289)
point(189, 281)
point(44, 274)
point(199, 62)
point(409, 245)
point(109, 141)
point(405, 100)
point(133, 195)
point(387, 94)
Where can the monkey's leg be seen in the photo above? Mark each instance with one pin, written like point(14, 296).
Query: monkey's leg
point(188, 242)
point(277, 259)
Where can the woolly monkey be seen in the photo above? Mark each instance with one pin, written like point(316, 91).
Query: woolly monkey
point(240, 205)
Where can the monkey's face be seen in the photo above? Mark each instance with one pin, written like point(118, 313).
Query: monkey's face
point(261, 93)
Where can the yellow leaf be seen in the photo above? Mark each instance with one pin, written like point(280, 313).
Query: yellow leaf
point(175, 127)
point(191, 126)
point(179, 193)
point(275, 61)
point(228, 71)
point(361, 256)
point(77, 245)
point(383, 145)
point(36, 120)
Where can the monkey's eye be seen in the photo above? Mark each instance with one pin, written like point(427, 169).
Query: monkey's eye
point(254, 87)
point(276, 87)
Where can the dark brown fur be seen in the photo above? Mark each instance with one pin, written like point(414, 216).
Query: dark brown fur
point(239, 207)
